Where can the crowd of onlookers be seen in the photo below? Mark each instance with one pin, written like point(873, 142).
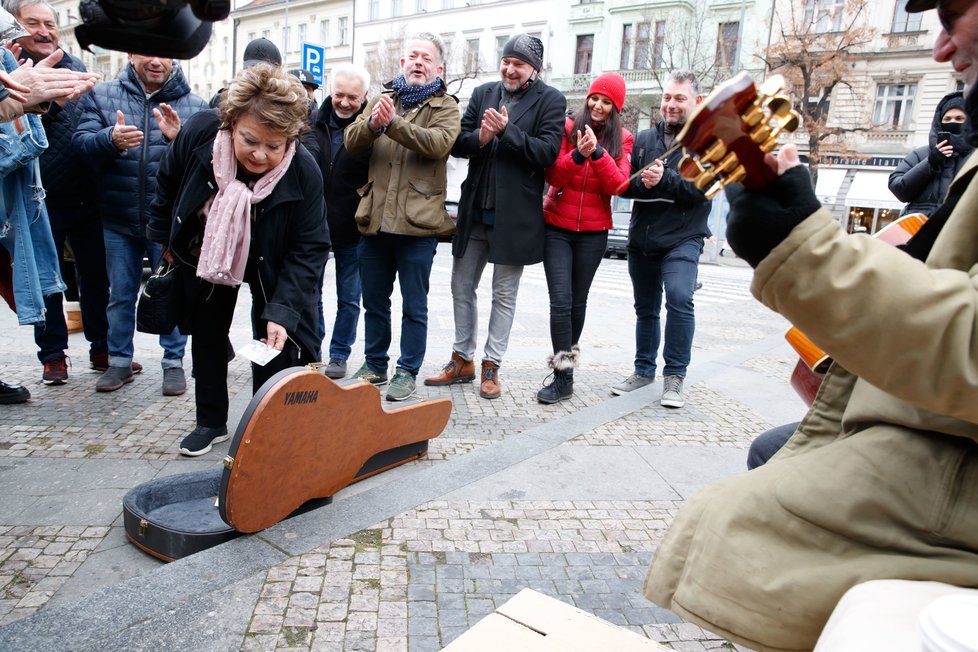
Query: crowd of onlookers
point(132, 171)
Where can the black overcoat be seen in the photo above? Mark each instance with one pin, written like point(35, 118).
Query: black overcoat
point(289, 237)
point(527, 147)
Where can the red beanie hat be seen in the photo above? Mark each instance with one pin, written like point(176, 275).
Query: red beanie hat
point(612, 85)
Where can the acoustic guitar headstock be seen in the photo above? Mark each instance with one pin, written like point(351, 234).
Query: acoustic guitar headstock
point(731, 134)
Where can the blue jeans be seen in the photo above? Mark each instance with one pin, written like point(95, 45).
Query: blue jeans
point(82, 228)
point(382, 257)
point(347, 300)
point(124, 264)
point(570, 260)
point(675, 271)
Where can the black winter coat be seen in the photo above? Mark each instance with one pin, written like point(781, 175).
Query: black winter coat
point(527, 147)
point(922, 185)
point(343, 174)
point(127, 180)
point(670, 212)
point(67, 177)
point(289, 239)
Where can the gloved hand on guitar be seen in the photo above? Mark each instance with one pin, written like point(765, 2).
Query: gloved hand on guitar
point(760, 220)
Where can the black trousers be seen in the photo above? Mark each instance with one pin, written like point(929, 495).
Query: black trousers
point(210, 323)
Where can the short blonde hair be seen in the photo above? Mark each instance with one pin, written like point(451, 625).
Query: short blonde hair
point(274, 97)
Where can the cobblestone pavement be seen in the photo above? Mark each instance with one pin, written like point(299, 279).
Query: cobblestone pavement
point(419, 579)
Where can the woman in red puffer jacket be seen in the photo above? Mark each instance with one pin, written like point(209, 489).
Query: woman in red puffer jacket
point(593, 164)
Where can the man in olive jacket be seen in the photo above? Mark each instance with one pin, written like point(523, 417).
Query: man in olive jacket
point(411, 127)
point(511, 132)
point(880, 480)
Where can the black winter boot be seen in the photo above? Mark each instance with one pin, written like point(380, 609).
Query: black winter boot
point(562, 385)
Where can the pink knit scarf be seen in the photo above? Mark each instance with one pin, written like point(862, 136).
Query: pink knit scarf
point(227, 233)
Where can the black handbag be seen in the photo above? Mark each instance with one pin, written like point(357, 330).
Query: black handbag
point(160, 302)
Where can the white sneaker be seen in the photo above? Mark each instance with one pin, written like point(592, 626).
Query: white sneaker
point(672, 392)
point(631, 383)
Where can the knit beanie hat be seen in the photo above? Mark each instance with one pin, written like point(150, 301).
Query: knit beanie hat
point(952, 102)
point(612, 85)
point(525, 48)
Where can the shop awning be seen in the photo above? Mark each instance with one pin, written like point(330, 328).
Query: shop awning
point(827, 186)
point(869, 190)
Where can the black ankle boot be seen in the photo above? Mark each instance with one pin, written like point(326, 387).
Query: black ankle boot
point(558, 389)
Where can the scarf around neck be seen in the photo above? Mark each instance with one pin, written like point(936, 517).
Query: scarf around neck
point(227, 233)
point(414, 95)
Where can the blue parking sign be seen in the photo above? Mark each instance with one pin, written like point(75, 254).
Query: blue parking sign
point(313, 57)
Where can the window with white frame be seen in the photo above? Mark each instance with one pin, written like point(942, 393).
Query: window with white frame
point(904, 22)
point(287, 38)
point(472, 56)
point(324, 33)
point(395, 8)
point(342, 33)
point(501, 41)
point(302, 35)
point(894, 105)
point(373, 9)
point(421, 6)
point(627, 38)
point(824, 15)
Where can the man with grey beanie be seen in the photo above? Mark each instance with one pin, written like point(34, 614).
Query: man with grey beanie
point(511, 132)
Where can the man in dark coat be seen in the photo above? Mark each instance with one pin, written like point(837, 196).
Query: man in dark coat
point(343, 175)
point(923, 177)
point(511, 133)
point(70, 201)
point(126, 125)
point(665, 239)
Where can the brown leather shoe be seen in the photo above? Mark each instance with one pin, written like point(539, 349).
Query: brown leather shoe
point(456, 371)
point(490, 380)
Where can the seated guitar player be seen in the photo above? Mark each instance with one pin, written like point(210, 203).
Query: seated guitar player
point(880, 480)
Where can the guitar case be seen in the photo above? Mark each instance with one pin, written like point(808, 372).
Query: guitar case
point(301, 439)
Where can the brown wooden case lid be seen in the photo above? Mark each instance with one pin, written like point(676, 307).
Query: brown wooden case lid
point(304, 437)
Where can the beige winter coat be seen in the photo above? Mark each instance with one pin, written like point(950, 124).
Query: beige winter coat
point(881, 479)
point(405, 191)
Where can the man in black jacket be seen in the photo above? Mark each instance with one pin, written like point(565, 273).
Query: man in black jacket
point(665, 239)
point(511, 133)
point(71, 209)
point(343, 174)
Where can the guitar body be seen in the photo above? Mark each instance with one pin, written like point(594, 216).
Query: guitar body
point(813, 362)
point(302, 438)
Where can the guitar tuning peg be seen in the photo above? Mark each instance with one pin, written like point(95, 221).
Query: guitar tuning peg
point(779, 105)
point(737, 175)
point(704, 180)
point(754, 115)
point(760, 133)
point(771, 86)
point(729, 162)
point(791, 122)
point(716, 151)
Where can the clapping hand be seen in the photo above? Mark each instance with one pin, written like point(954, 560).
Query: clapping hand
point(493, 124)
point(124, 136)
point(168, 120)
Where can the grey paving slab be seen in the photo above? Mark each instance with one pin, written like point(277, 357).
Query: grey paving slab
point(687, 469)
point(13, 505)
point(574, 473)
point(47, 477)
point(92, 621)
point(95, 507)
point(211, 621)
point(113, 561)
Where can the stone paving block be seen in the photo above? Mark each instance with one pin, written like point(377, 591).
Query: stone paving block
point(419, 643)
point(448, 601)
point(422, 609)
point(421, 626)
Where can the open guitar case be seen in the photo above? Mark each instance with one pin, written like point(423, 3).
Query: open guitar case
point(302, 438)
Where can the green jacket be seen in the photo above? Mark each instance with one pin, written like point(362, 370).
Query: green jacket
point(881, 478)
point(405, 189)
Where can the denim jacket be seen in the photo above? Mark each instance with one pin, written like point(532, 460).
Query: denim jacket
point(24, 227)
